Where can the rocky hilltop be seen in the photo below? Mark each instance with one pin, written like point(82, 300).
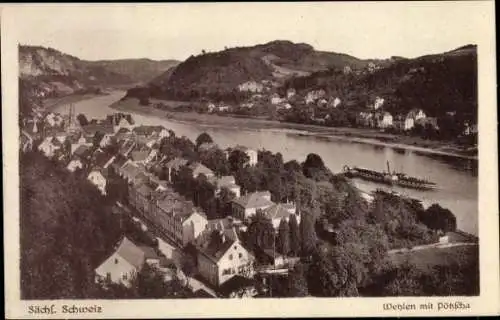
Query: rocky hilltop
point(224, 71)
point(57, 74)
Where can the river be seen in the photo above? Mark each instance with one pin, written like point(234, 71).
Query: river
point(457, 178)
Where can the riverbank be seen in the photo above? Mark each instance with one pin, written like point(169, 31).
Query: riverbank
point(52, 103)
point(356, 135)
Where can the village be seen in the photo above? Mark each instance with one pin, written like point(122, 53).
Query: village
point(265, 99)
point(192, 223)
point(114, 148)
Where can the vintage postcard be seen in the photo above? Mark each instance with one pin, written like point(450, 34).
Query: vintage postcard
point(250, 159)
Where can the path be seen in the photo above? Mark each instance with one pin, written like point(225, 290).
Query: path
point(433, 245)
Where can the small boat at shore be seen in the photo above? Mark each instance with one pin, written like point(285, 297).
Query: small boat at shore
point(394, 178)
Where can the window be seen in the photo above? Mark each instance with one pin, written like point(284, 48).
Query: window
point(230, 257)
point(108, 276)
point(240, 255)
point(116, 261)
point(124, 276)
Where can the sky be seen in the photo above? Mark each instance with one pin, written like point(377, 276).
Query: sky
point(175, 31)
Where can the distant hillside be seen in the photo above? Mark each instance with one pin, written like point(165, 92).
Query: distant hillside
point(436, 83)
point(56, 74)
point(223, 71)
point(140, 70)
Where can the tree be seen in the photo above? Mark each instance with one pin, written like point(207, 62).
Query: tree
point(203, 138)
point(82, 119)
point(294, 235)
point(284, 237)
point(334, 272)
point(439, 218)
point(314, 167)
point(150, 284)
point(297, 281)
point(308, 233)
point(260, 234)
point(237, 160)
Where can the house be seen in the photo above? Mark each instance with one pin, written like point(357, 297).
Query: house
point(122, 124)
point(178, 218)
point(211, 107)
point(175, 165)
point(227, 182)
point(223, 258)
point(314, 95)
point(26, 142)
point(148, 131)
point(275, 99)
point(122, 266)
point(334, 103)
point(223, 108)
point(365, 119)
point(140, 194)
point(74, 164)
point(247, 105)
point(126, 146)
point(226, 225)
point(139, 156)
point(412, 117)
point(49, 146)
point(252, 154)
point(251, 86)
point(398, 123)
point(379, 102)
point(104, 128)
point(123, 133)
point(106, 140)
point(470, 129)
point(152, 156)
point(384, 120)
point(81, 141)
point(129, 171)
point(101, 159)
point(246, 206)
point(409, 123)
point(97, 177)
point(279, 211)
point(199, 168)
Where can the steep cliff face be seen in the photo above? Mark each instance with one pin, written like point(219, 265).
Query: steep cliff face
point(56, 73)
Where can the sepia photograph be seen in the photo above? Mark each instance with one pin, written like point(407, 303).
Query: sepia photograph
point(249, 151)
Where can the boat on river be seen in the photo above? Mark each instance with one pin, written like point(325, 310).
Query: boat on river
point(386, 177)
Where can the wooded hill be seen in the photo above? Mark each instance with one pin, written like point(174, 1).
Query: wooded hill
point(224, 70)
point(437, 84)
